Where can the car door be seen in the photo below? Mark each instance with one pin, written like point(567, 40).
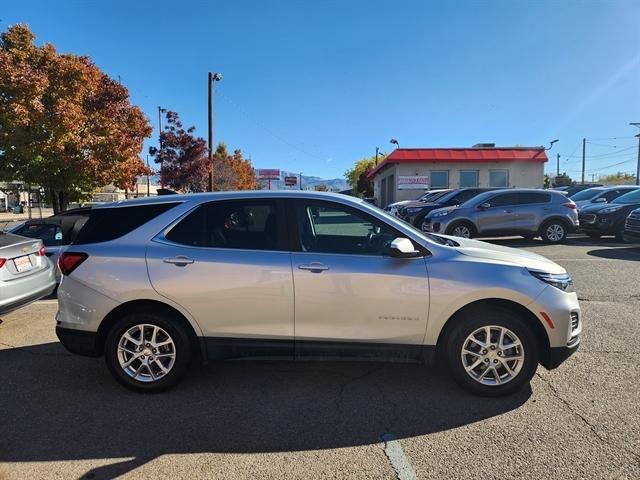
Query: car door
point(351, 298)
point(500, 217)
point(227, 263)
point(532, 209)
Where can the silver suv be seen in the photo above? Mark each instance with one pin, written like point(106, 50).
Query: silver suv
point(155, 283)
point(529, 213)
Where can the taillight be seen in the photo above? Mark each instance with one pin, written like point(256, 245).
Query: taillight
point(2, 262)
point(43, 251)
point(570, 205)
point(69, 261)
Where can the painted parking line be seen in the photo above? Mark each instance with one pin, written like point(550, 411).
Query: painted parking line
point(397, 458)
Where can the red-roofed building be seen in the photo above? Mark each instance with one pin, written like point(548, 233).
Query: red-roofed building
point(407, 172)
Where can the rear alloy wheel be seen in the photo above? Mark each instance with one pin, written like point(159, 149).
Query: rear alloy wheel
point(461, 229)
point(553, 231)
point(147, 352)
point(491, 353)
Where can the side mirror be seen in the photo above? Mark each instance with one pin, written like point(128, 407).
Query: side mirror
point(600, 200)
point(402, 248)
point(484, 206)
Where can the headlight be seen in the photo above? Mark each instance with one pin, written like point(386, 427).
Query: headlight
point(610, 209)
point(441, 214)
point(559, 280)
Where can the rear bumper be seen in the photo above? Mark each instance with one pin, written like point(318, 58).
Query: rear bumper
point(79, 342)
point(557, 355)
point(26, 300)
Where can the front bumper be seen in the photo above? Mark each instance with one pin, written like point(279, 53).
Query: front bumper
point(79, 342)
point(600, 224)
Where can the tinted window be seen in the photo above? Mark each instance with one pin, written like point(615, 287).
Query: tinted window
point(503, 199)
point(248, 225)
point(587, 194)
point(51, 235)
point(532, 197)
point(613, 194)
point(630, 197)
point(114, 222)
point(460, 197)
point(332, 228)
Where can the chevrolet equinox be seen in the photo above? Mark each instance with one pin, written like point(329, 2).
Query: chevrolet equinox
point(154, 284)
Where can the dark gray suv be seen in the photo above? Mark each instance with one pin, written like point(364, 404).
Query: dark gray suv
point(526, 212)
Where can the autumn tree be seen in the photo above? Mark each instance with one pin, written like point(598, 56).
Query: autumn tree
point(232, 172)
point(64, 124)
point(357, 177)
point(183, 157)
point(321, 188)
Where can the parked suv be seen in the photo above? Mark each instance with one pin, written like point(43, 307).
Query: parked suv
point(416, 215)
point(599, 195)
point(526, 212)
point(154, 283)
point(609, 219)
point(632, 226)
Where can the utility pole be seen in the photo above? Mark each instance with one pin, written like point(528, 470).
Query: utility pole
point(213, 77)
point(584, 145)
point(558, 165)
point(637, 124)
point(148, 184)
point(300, 182)
point(377, 150)
point(160, 111)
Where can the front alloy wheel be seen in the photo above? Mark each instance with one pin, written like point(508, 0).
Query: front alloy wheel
point(554, 232)
point(492, 355)
point(490, 351)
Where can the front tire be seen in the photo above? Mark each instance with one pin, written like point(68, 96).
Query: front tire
point(491, 352)
point(147, 352)
point(553, 231)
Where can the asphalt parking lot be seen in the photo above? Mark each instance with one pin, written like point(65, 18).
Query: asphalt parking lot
point(62, 416)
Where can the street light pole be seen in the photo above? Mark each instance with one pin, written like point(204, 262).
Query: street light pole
point(212, 77)
point(160, 112)
point(637, 124)
point(377, 150)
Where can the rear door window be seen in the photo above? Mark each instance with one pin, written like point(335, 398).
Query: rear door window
point(532, 197)
point(109, 223)
point(245, 224)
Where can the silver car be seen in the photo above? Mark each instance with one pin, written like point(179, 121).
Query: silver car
point(26, 274)
point(154, 283)
point(526, 212)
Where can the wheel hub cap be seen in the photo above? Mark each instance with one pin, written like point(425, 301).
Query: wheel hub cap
point(492, 355)
point(146, 352)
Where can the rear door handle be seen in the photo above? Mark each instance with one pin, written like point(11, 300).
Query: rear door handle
point(179, 261)
point(315, 267)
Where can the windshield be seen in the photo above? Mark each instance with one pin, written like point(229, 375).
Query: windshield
point(629, 198)
point(587, 194)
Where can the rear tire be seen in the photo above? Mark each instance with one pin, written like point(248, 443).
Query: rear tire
point(553, 231)
point(147, 352)
point(461, 229)
point(502, 376)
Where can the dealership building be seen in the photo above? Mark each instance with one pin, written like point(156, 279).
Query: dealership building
point(407, 172)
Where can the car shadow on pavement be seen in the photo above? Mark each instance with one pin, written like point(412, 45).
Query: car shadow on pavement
point(628, 253)
point(57, 407)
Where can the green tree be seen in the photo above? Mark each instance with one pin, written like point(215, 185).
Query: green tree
point(619, 178)
point(562, 180)
point(357, 176)
point(64, 124)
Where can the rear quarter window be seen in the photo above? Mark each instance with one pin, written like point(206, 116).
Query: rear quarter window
point(109, 223)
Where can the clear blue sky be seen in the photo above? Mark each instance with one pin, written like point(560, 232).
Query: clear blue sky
point(313, 86)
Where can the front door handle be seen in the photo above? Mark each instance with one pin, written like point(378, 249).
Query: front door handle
point(315, 267)
point(179, 261)
point(508, 211)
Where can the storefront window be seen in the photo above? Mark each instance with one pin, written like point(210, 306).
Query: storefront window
point(498, 178)
point(468, 178)
point(439, 179)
